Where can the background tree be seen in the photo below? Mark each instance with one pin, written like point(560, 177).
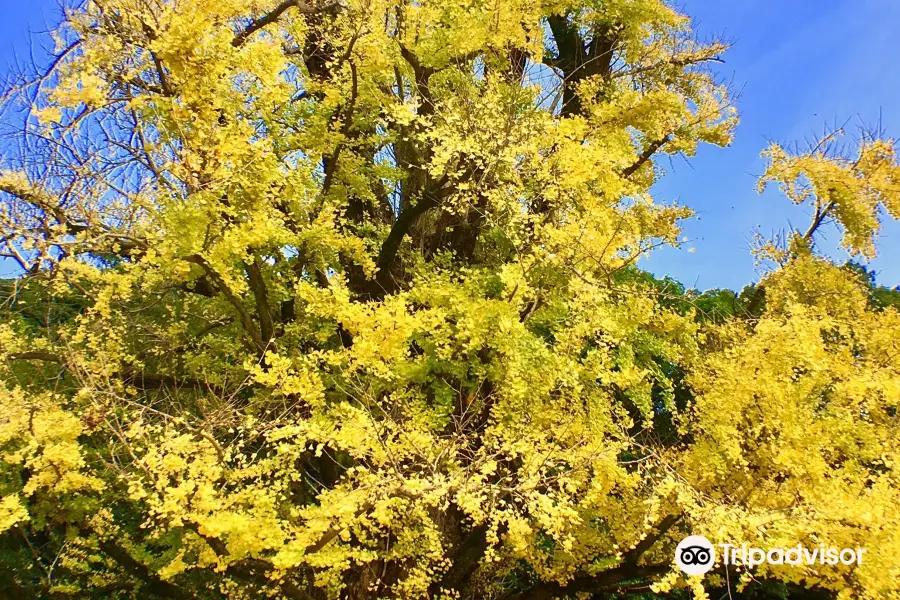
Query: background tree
point(340, 300)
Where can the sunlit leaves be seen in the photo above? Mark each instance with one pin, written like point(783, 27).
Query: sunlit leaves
point(340, 300)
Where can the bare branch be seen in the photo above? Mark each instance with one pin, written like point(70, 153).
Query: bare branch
point(675, 62)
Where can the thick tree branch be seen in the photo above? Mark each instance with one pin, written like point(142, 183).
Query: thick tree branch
point(821, 214)
point(275, 14)
point(632, 556)
point(141, 381)
point(465, 560)
point(257, 570)
point(391, 245)
point(237, 303)
point(646, 155)
point(165, 86)
point(607, 580)
point(155, 381)
point(200, 286)
point(42, 356)
point(100, 238)
point(346, 115)
point(261, 295)
point(18, 186)
point(153, 583)
point(427, 192)
point(578, 59)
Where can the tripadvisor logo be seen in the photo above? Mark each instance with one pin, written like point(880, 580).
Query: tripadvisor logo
point(696, 555)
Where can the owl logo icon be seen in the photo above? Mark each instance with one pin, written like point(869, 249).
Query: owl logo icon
point(695, 555)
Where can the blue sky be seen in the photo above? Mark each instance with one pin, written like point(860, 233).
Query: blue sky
point(799, 64)
point(20, 22)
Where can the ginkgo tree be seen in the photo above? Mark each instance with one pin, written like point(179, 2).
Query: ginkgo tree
point(340, 300)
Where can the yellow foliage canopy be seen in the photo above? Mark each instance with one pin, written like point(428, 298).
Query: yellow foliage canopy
point(339, 300)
